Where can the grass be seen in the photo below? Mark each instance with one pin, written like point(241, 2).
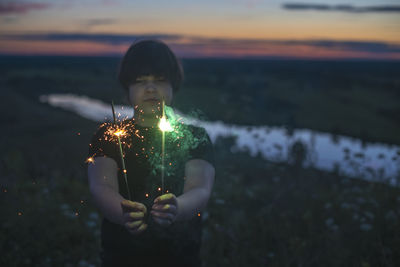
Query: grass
point(260, 213)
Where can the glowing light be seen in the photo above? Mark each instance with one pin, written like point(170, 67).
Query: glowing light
point(120, 132)
point(124, 171)
point(81, 201)
point(19, 213)
point(159, 189)
point(147, 195)
point(164, 125)
point(76, 213)
point(90, 160)
point(198, 214)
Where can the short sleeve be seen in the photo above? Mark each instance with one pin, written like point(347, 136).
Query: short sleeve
point(100, 146)
point(203, 148)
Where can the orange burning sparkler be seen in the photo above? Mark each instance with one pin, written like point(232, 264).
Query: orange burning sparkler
point(119, 132)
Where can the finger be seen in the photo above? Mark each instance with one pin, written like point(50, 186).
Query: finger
point(162, 222)
point(133, 205)
point(162, 215)
point(164, 199)
point(165, 208)
point(139, 230)
point(130, 205)
point(133, 225)
point(130, 216)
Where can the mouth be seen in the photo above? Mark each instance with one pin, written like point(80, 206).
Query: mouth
point(152, 100)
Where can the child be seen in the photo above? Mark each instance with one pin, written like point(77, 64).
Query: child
point(158, 225)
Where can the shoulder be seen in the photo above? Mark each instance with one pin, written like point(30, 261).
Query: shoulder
point(197, 130)
point(200, 144)
point(102, 128)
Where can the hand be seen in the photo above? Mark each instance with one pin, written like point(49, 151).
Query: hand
point(165, 209)
point(133, 216)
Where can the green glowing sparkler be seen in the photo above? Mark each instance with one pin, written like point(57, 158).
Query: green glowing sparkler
point(164, 127)
point(118, 133)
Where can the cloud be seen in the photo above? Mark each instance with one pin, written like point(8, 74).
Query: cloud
point(339, 45)
point(20, 7)
point(342, 8)
point(113, 39)
point(248, 3)
point(359, 46)
point(192, 46)
point(97, 22)
point(9, 20)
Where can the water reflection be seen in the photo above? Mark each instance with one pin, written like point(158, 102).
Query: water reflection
point(346, 155)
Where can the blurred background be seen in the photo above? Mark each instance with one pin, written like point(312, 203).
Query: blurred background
point(301, 100)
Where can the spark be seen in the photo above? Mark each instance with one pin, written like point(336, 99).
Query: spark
point(164, 125)
point(90, 160)
point(119, 132)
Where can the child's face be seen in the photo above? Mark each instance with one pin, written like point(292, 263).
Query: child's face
point(148, 91)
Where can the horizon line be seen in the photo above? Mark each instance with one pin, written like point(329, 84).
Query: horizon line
point(272, 58)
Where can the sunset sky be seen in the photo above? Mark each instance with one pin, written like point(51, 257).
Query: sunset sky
point(319, 29)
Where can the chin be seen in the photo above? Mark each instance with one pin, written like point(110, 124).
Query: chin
point(150, 110)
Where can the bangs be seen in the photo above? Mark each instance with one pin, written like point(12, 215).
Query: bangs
point(150, 58)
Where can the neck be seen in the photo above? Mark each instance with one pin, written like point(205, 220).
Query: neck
point(151, 120)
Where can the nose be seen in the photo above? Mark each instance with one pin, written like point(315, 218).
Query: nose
point(150, 86)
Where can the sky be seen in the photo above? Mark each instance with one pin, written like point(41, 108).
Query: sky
point(304, 29)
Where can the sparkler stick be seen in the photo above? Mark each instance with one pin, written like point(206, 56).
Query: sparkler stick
point(118, 133)
point(164, 126)
point(162, 150)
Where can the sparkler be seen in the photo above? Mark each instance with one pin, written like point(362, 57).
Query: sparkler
point(90, 160)
point(118, 133)
point(164, 127)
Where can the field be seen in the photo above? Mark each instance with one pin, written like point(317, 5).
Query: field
point(260, 214)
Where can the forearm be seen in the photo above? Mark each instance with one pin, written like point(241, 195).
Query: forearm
point(108, 202)
point(191, 203)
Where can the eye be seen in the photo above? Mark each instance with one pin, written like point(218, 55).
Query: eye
point(161, 79)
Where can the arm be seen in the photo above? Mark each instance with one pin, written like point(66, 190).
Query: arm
point(103, 185)
point(197, 189)
point(196, 192)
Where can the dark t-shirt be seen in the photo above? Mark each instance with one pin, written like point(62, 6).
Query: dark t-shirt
point(177, 243)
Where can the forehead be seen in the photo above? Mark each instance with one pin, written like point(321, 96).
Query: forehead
point(149, 77)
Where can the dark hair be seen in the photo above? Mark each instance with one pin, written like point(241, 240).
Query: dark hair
point(150, 57)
